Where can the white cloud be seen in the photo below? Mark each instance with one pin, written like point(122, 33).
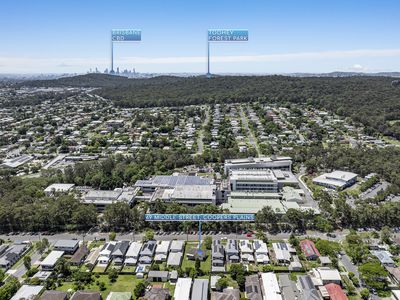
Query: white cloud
point(357, 68)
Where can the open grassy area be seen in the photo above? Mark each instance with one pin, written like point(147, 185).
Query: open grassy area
point(98, 269)
point(124, 283)
point(205, 266)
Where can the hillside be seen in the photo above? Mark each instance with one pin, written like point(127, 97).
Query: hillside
point(87, 80)
point(373, 101)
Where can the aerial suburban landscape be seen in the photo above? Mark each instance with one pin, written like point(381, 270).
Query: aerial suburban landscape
point(274, 179)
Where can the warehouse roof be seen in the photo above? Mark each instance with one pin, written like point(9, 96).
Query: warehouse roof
point(59, 187)
point(172, 181)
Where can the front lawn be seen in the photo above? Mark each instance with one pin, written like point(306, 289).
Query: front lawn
point(124, 283)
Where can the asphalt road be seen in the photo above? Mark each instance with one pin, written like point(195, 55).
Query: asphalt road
point(349, 266)
point(21, 270)
point(200, 143)
point(252, 139)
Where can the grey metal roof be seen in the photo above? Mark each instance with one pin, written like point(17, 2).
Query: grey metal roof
point(120, 248)
point(200, 289)
point(252, 288)
point(309, 291)
point(158, 274)
point(172, 181)
point(66, 243)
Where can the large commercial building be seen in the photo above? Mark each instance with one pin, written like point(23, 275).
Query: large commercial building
point(263, 163)
point(336, 179)
point(189, 194)
point(270, 181)
point(253, 180)
point(102, 198)
point(166, 181)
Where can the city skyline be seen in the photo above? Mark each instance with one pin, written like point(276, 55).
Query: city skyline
point(69, 36)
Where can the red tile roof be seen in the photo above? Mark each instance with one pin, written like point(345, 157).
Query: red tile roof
point(335, 292)
point(309, 249)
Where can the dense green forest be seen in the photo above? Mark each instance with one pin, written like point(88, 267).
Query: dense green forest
point(373, 101)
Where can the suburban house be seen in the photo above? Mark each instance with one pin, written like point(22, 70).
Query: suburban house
point(132, 255)
point(232, 251)
point(323, 276)
point(309, 249)
point(218, 254)
point(194, 254)
point(174, 259)
point(182, 289)
point(147, 253)
point(119, 251)
point(177, 246)
point(51, 260)
point(270, 286)
point(54, 295)
point(79, 256)
point(261, 252)
point(335, 292)
point(86, 295)
point(28, 292)
point(325, 261)
point(11, 255)
point(200, 289)
point(105, 253)
point(308, 290)
point(384, 257)
point(162, 250)
point(91, 259)
point(157, 293)
point(67, 246)
point(246, 250)
point(282, 253)
point(158, 276)
point(252, 288)
point(226, 294)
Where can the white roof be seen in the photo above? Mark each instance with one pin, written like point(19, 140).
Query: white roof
point(163, 246)
point(134, 249)
point(177, 245)
point(270, 286)
point(336, 178)
point(245, 246)
point(326, 274)
point(59, 187)
point(341, 175)
point(28, 292)
point(190, 192)
point(260, 247)
point(52, 258)
point(182, 289)
point(253, 175)
point(280, 252)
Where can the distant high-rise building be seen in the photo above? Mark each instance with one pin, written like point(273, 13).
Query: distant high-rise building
point(117, 70)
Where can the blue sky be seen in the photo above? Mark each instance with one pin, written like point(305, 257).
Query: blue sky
point(63, 36)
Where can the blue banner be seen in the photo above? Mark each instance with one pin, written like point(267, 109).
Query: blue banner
point(126, 35)
point(200, 217)
point(228, 35)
